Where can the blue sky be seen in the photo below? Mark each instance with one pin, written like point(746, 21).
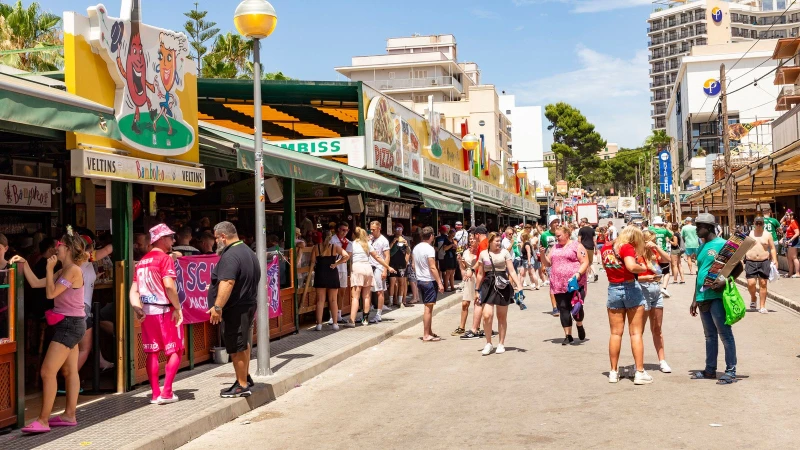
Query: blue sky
point(589, 53)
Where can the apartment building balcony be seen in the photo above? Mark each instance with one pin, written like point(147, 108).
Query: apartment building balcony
point(427, 83)
point(654, 56)
point(658, 98)
point(655, 42)
point(789, 96)
point(658, 112)
point(786, 48)
point(656, 69)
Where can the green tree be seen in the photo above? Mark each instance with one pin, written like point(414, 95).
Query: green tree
point(575, 141)
point(276, 76)
point(30, 29)
point(658, 139)
point(199, 32)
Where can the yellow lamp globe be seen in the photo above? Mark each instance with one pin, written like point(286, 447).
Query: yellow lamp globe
point(255, 19)
point(470, 142)
point(522, 173)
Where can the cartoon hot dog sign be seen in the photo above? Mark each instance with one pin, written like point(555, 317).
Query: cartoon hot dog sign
point(148, 65)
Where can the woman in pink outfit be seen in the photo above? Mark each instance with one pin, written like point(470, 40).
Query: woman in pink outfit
point(68, 320)
point(568, 260)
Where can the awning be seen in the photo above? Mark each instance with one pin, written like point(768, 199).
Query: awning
point(300, 166)
point(434, 200)
point(37, 105)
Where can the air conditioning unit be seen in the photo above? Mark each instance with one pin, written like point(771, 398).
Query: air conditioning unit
point(433, 81)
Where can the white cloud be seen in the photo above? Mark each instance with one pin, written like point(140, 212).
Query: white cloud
point(484, 14)
point(519, 28)
point(589, 6)
point(611, 92)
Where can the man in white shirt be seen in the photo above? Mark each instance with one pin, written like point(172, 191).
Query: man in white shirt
point(611, 233)
point(340, 239)
point(424, 257)
point(462, 236)
point(381, 246)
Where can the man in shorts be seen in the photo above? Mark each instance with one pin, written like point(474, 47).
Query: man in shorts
point(664, 239)
point(546, 240)
point(381, 246)
point(233, 293)
point(341, 240)
point(424, 257)
point(758, 263)
point(154, 299)
point(691, 242)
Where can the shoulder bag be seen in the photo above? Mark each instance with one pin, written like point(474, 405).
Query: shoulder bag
point(500, 281)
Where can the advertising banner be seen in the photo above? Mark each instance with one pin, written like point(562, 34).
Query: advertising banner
point(665, 171)
point(194, 279)
point(352, 147)
point(392, 144)
point(108, 166)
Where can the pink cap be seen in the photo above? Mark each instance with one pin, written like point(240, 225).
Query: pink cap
point(159, 231)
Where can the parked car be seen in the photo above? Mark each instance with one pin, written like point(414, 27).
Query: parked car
point(606, 214)
point(629, 217)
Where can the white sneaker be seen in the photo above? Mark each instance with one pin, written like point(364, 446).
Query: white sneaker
point(642, 378)
point(378, 318)
point(665, 367)
point(500, 349)
point(613, 376)
point(525, 284)
point(330, 321)
point(487, 349)
point(753, 305)
point(665, 293)
point(166, 401)
point(336, 327)
point(318, 327)
point(386, 308)
point(763, 311)
point(546, 283)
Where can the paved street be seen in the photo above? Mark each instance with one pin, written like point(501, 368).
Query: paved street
point(406, 394)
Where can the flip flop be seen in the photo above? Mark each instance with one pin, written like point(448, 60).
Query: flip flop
point(57, 421)
point(433, 339)
point(35, 428)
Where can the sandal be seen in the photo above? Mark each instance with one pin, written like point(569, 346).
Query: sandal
point(704, 375)
point(57, 421)
point(35, 428)
point(434, 338)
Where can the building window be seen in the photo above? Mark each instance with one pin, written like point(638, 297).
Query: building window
point(420, 99)
point(508, 112)
point(605, 157)
point(420, 73)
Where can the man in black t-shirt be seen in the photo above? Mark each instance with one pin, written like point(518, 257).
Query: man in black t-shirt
point(233, 293)
point(586, 237)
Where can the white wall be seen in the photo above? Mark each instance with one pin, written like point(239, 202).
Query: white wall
point(526, 136)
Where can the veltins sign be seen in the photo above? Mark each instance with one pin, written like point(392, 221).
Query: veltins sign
point(148, 65)
point(107, 166)
point(25, 194)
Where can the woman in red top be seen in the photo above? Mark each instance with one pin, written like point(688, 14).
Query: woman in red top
point(792, 243)
point(625, 299)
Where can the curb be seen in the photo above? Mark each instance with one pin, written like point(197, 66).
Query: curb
point(785, 301)
point(180, 432)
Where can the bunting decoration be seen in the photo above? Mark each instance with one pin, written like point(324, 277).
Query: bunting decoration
point(466, 155)
point(484, 157)
point(516, 182)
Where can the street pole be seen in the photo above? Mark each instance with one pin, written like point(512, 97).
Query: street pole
point(650, 157)
point(262, 335)
point(727, 147)
point(471, 195)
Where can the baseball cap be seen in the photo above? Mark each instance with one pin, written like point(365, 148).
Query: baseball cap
point(159, 231)
point(553, 217)
point(459, 224)
point(758, 220)
point(706, 218)
point(481, 230)
point(688, 219)
point(658, 221)
point(443, 229)
point(87, 239)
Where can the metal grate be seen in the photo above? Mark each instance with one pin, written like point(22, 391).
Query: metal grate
point(5, 386)
point(199, 337)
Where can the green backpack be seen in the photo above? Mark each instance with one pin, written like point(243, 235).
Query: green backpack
point(515, 249)
point(733, 303)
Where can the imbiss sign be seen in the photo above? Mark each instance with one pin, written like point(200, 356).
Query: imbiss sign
point(107, 166)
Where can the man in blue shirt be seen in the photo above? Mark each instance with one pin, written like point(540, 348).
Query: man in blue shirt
point(709, 302)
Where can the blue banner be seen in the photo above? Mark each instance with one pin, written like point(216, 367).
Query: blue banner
point(665, 171)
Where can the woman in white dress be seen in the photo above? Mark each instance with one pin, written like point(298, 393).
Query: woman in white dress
point(468, 295)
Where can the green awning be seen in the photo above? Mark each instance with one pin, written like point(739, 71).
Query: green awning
point(434, 200)
point(37, 105)
point(300, 166)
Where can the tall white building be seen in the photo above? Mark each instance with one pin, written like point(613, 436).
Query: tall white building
point(526, 138)
point(677, 26)
point(692, 119)
point(416, 67)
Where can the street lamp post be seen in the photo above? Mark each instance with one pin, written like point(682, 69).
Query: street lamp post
point(256, 19)
point(547, 189)
point(470, 143)
point(522, 175)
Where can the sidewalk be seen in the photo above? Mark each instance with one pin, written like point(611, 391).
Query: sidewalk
point(129, 421)
point(783, 291)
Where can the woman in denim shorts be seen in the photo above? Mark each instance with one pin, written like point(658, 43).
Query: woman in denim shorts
point(651, 289)
point(625, 299)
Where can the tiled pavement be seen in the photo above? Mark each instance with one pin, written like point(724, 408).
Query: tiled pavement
point(130, 421)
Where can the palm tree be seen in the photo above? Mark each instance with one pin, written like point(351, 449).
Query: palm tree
point(232, 48)
point(34, 30)
point(215, 67)
point(658, 139)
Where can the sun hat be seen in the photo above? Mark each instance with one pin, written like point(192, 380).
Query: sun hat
point(553, 218)
point(159, 231)
point(706, 218)
point(658, 221)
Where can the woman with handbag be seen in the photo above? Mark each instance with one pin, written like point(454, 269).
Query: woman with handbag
point(625, 299)
point(325, 259)
point(569, 263)
point(650, 280)
point(68, 320)
point(495, 268)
